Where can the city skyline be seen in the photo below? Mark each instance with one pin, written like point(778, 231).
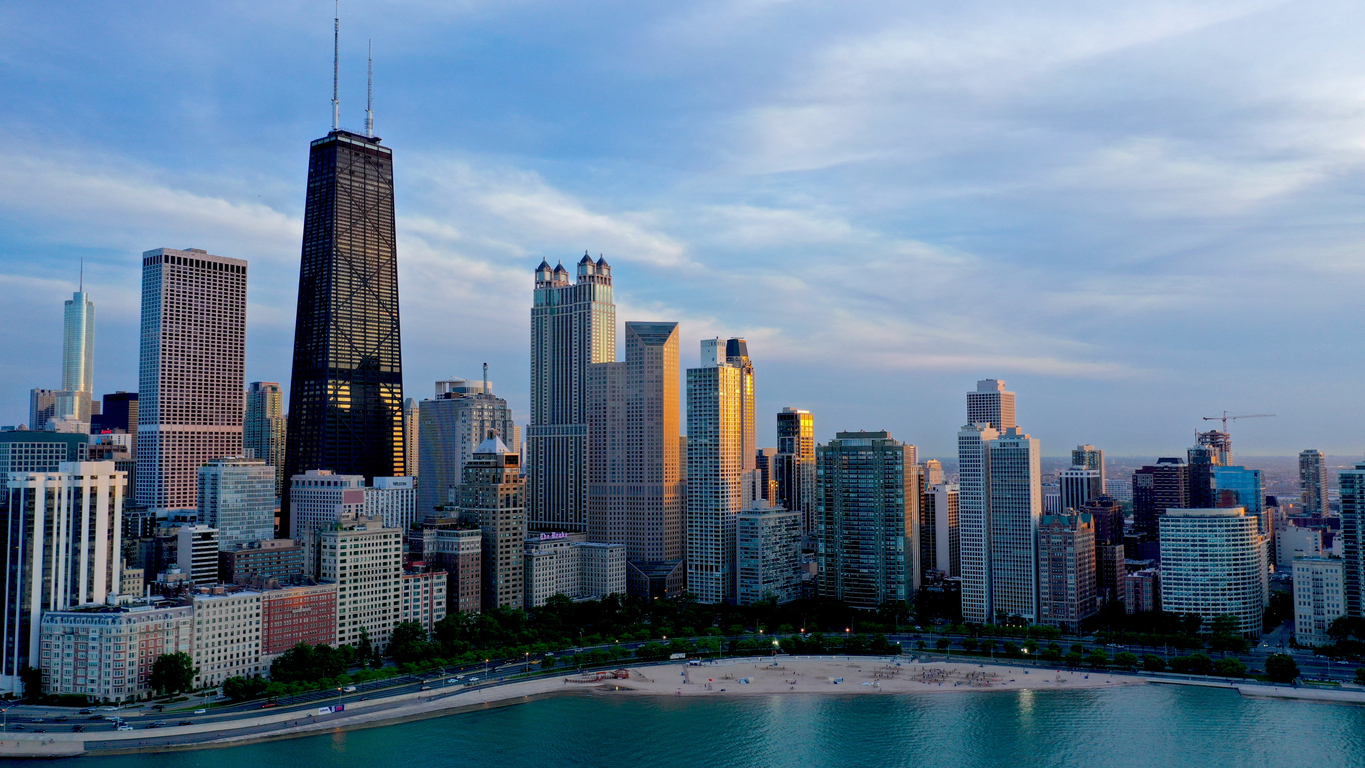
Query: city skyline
point(731, 227)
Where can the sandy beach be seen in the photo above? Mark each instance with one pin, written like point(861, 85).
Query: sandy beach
point(857, 676)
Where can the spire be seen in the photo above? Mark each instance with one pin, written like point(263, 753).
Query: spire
point(336, 63)
point(369, 95)
point(82, 288)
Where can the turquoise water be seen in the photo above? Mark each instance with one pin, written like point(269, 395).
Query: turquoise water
point(1149, 726)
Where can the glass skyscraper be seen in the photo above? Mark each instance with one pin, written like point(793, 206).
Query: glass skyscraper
point(346, 390)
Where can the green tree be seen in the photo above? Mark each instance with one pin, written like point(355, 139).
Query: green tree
point(943, 644)
point(1230, 668)
point(244, 689)
point(32, 680)
point(1126, 660)
point(364, 650)
point(1153, 663)
point(173, 673)
point(1281, 668)
point(1228, 643)
point(1074, 659)
point(970, 643)
point(1098, 658)
point(1360, 676)
point(1279, 610)
point(1225, 624)
point(408, 643)
point(1031, 647)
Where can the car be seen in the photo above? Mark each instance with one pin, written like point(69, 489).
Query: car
point(473, 680)
point(18, 726)
point(86, 712)
point(40, 730)
point(425, 688)
point(95, 717)
point(153, 725)
point(364, 698)
point(158, 707)
point(36, 720)
point(459, 677)
point(160, 723)
point(61, 719)
point(124, 727)
point(266, 705)
point(186, 722)
point(200, 711)
point(349, 689)
point(78, 729)
point(114, 718)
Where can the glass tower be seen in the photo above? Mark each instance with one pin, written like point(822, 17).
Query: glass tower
point(346, 390)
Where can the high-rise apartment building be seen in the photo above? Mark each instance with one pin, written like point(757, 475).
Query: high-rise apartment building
point(227, 637)
point(933, 472)
point(1066, 570)
point(297, 614)
point(765, 461)
point(412, 427)
point(1089, 457)
point(451, 427)
point(737, 355)
point(869, 489)
point(715, 472)
point(991, 404)
point(1078, 486)
point(456, 548)
point(42, 407)
point(1319, 598)
point(1157, 488)
point(635, 488)
point(768, 553)
point(190, 372)
point(1203, 460)
point(320, 498)
point(940, 543)
point(795, 466)
point(1313, 482)
point(63, 548)
point(1014, 503)
point(80, 645)
point(1213, 563)
point(974, 530)
point(346, 387)
point(492, 497)
point(573, 325)
point(78, 358)
point(237, 497)
point(263, 429)
point(1353, 537)
point(393, 500)
point(29, 451)
point(365, 560)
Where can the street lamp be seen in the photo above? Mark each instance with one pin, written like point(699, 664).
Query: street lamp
point(528, 661)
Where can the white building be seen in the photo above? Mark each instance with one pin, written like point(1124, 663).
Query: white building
point(1319, 598)
point(365, 559)
point(973, 469)
point(106, 652)
point(1014, 505)
point(227, 636)
point(237, 496)
point(62, 551)
point(567, 564)
point(768, 548)
point(191, 371)
point(991, 404)
point(423, 598)
point(196, 552)
point(317, 500)
point(394, 499)
point(1079, 485)
point(1291, 541)
point(1213, 562)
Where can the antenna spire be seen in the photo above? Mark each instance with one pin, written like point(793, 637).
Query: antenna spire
point(369, 95)
point(82, 289)
point(336, 58)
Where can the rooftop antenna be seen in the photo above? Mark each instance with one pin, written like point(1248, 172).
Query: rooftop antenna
point(336, 58)
point(82, 289)
point(369, 95)
point(485, 378)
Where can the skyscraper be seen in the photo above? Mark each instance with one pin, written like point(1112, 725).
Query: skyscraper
point(1157, 488)
point(118, 411)
point(263, 429)
point(869, 489)
point(974, 531)
point(451, 427)
point(795, 465)
point(78, 357)
point(991, 404)
point(635, 490)
point(1066, 570)
point(737, 354)
point(1080, 484)
point(715, 471)
point(573, 325)
point(346, 389)
point(940, 542)
point(1213, 563)
point(190, 372)
point(1088, 456)
point(492, 497)
point(1014, 504)
point(411, 427)
point(237, 497)
point(1313, 482)
point(1353, 537)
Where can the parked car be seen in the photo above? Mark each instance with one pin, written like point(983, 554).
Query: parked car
point(349, 689)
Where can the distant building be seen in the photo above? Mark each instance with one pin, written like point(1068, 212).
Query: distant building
point(1157, 488)
point(118, 413)
point(1313, 482)
point(237, 497)
point(196, 552)
point(1213, 562)
point(423, 598)
point(1142, 591)
point(768, 549)
point(456, 548)
point(1090, 457)
point(991, 404)
point(282, 559)
point(451, 427)
point(795, 466)
point(1013, 507)
point(493, 498)
point(297, 614)
point(42, 407)
point(227, 636)
point(394, 499)
point(319, 499)
point(412, 425)
point(973, 468)
point(1079, 486)
point(1353, 537)
point(30, 451)
point(76, 641)
point(940, 547)
point(1319, 598)
point(263, 429)
point(1292, 541)
point(1066, 570)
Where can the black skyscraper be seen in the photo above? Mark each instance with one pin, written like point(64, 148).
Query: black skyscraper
point(346, 392)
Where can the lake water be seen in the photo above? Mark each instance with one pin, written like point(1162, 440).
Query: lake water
point(1150, 726)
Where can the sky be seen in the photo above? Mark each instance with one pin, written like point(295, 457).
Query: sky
point(1137, 214)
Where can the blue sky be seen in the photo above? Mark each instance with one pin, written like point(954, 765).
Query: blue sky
point(1135, 213)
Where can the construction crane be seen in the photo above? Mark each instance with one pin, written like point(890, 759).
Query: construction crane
point(1225, 418)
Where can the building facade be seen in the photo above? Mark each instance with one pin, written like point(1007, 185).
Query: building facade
point(423, 599)
point(1014, 505)
point(768, 550)
point(263, 428)
point(451, 427)
point(492, 497)
point(715, 467)
point(573, 325)
point(567, 564)
point(237, 497)
point(1080, 485)
point(365, 560)
point(319, 499)
point(940, 543)
point(1353, 537)
point(106, 652)
point(227, 636)
point(1213, 562)
point(297, 614)
point(794, 466)
point(282, 559)
point(1157, 488)
point(457, 549)
point(974, 530)
point(1319, 599)
point(191, 371)
point(394, 500)
point(78, 359)
point(991, 404)
point(196, 552)
point(1066, 570)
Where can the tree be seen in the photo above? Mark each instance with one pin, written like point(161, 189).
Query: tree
point(1153, 663)
point(364, 650)
point(1230, 668)
point(1126, 660)
point(943, 644)
point(1281, 668)
point(243, 689)
point(1098, 658)
point(1225, 624)
point(1360, 676)
point(970, 643)
point(173, 673)
point(408, 643)
point(1279, 610)
point(1228, 643)
point(32, 680)
point(1074, 659)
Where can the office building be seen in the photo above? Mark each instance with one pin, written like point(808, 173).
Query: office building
point(991, 404)
point(1319, 599)
point(1313, 482)
point(319, 499)
point(492, 497)
point(346, 385)
point(1078, 486)
point(1203, 460)
point(1013, 507)
point(765, 461)
point(768, 551)
point(80, 646)
point(394, 500)
point(196, 551)
point(1107, 514)
point(1213, 562)
point(1066, 570)
point(1239, 487)
point(869, 509)
point(30, 451)
point(1352, 536)
point(290, 615)
point(715, 472)
point(573, 325)
point(737, 355)
point(423, 599)
point(456, 548)
point(795, 466)
point(412, 427)
point(365, 560)
point(281, 559)
point(933, 472)
point(1089, 457)
point(237, 497)
point(940, 546)
point(451, 427)
point(63, 539)
point(227, 636)
point(974, 531)
point(42, 407)
point(635, 486)
point(1292, 541)
point(567, 564)
point(118, 413)
point(263, 429)
point(190, 371)
point(1157, 488)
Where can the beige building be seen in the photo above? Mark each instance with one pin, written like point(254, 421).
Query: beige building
point(566, 564)
point(1319, 598)
point(1214, 562)
point(227, 636)
point(1066, 570)
point(493, 498)
point(106, 652)
point(365, 560)
point(423, 598)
